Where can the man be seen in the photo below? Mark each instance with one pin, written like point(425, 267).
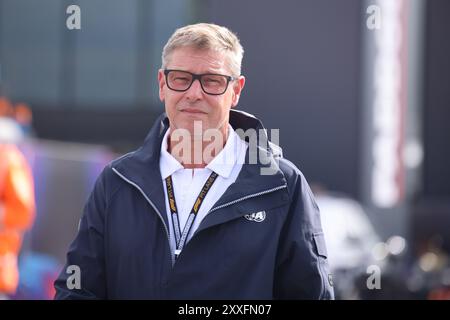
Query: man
point(191, 215)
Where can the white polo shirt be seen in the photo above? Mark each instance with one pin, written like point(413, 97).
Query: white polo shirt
point(187, 183)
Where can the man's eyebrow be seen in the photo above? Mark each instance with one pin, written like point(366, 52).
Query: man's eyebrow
point(209, 71)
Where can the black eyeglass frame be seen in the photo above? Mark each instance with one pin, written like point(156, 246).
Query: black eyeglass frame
point(199, 77)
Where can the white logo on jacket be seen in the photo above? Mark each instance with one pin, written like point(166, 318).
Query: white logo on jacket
point(257, 216)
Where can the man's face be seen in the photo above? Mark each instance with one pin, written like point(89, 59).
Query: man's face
point(183, 108)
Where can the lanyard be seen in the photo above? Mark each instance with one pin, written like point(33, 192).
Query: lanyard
point(180, 237)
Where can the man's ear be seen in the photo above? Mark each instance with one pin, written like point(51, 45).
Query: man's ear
point(237, 89)
point(161, 84)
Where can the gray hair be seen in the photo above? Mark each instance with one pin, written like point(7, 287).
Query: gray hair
point(206, 36)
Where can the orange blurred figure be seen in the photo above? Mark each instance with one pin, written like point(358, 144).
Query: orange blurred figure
point(6, 107)
point(23, 114)
point(17, 211)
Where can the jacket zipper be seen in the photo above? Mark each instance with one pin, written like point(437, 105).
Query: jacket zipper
point(247, 197)
point(172, 259)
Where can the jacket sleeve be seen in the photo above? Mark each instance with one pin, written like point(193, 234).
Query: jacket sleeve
point(83, 276)
point(302, 266)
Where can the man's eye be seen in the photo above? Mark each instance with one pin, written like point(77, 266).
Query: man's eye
point(181, 79)
point(212, 81)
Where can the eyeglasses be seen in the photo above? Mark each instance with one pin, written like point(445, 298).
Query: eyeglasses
point(211, 83)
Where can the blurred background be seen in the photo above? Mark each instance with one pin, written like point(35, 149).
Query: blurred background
point(360, 90)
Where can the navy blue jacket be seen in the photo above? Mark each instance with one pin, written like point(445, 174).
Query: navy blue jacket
point(122, 246)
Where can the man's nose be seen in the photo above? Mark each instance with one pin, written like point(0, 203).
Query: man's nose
point(195, 92)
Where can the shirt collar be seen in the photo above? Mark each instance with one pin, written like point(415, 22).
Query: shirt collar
point(168, 163)
point(222, 164)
